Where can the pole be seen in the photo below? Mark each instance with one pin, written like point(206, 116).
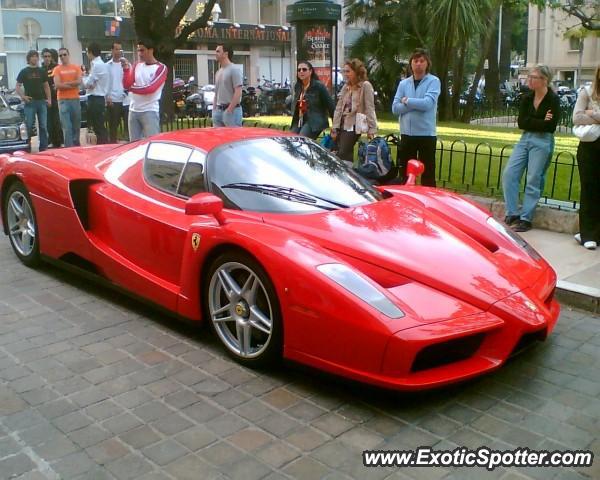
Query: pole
point(499, 34)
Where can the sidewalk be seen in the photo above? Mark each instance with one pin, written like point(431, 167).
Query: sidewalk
point(578, 269)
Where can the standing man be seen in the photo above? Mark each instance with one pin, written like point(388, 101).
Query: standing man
point(415, 103)
point(97, 84)
point(55, 136)
point(144, 82)
point(227, 111)
point(116, 93)
point(67, 78)
point(33, 88)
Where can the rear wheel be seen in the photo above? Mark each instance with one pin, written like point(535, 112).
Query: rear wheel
point(22, 224)
point(243, 309)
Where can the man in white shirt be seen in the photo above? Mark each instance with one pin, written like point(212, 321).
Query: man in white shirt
point(97, 85)
point(144, 82)
point(116, 93)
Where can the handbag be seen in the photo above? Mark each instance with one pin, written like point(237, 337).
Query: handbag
point(591, 132)
point(587, 133)
point(360, 124)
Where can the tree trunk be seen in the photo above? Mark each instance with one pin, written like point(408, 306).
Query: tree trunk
point(486, 39)
point(508, 22)
point(444, 50)
point(457, 81)
point(492, 76)
point(166, 100)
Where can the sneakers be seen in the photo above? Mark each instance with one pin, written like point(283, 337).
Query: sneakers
point(522, 226)
point(511, 219)
point(590, 244)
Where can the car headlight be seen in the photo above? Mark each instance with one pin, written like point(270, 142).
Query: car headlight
point(360, 287)
point(23, 131)
point(514, 237)
point(9, 133)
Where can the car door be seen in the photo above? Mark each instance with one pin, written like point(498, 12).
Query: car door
point(139, 221)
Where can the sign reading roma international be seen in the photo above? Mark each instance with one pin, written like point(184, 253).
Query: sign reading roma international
point(247, 33)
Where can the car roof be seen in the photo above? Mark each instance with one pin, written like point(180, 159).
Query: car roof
point(210, 138)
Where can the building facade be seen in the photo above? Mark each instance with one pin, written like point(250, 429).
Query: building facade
point(573, 61)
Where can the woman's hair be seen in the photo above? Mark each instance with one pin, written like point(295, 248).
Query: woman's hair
point(313, 75)
point(358, 67)
point(544, 71)
point(596, 85)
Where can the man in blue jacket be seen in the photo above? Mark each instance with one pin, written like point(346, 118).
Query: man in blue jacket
point(415, 103)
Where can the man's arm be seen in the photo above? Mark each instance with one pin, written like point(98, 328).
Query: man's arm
point(157, 82)
point(429, 101)
point(398, 108)
point(235, 100)
point(47, 92)
point(21, 92)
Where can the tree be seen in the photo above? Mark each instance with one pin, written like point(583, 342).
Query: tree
point(587, 11)
point(164, 22)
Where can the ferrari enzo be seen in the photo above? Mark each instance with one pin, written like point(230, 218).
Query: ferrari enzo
point(286, 252)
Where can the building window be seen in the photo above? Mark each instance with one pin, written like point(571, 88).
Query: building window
point(574, 43)
point(226, 9)
point(269, 12)
point(104, 7)
point(52, 5)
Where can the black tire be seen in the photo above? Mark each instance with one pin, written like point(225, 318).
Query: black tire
point(249, 312)
point(19, 215)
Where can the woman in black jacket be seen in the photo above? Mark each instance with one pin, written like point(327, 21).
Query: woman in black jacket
point(312, 103)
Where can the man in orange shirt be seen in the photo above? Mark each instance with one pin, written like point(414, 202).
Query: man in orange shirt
point(67, 78)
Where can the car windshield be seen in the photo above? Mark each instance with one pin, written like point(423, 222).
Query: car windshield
point(285, 175)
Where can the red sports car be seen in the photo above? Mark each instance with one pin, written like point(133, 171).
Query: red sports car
point(287, 252)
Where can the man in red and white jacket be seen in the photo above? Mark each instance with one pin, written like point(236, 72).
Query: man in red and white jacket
point(145, 82)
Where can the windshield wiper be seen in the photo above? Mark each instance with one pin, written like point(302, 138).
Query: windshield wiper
point(286, 193)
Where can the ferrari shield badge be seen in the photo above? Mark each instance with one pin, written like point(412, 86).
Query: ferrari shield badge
point(195, 241)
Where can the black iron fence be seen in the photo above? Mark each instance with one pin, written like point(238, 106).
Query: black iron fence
point(461, 167)
point(485, 114)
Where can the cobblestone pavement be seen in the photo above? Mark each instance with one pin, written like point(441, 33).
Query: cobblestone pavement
point(96, 386)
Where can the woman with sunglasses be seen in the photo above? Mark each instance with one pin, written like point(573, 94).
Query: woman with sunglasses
point(312, 103)
point(539, 113)
point(357, 96)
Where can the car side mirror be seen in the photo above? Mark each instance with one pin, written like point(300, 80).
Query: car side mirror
point(413, 170)
point(205, 204)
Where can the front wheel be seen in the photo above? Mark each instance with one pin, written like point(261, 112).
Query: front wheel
point(22, 224)
point(243, 309)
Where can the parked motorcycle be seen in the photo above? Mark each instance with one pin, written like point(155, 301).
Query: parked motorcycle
point(201, 103)
point(272, 99)
point(249, 101)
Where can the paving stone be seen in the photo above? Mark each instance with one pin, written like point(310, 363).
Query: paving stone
point(107, 451)
point(220, 453)
point(129, 466)
point(231, 398)
point(306, 468)
point(254, 410)
point(73, 465)
point(163, 388)
point(133, 398)
point(334, 454)
point(72, 421)
point(247, 468)
point(8, 447)
point(104, 410)
point(332, 424)
point(306, 411)
point(164, 452)
point(172, 424)
point(152, 410)
point(188, 468)
point(306, 439)
point(361, 439)
point(278, 424)
point(121, 423)
point(88, 436)
point(140, 437)
point(56, 447)
point(182, 399)
point(196, 438)
point(277, 454)
point(39, 396)
point(15, 465)
point(226, 424)
point(202, 411)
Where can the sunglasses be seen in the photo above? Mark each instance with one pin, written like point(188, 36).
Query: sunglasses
point(303, 69)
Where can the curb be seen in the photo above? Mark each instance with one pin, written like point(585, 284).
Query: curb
point(579, 296)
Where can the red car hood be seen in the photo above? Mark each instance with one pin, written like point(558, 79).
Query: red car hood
point(415, 242)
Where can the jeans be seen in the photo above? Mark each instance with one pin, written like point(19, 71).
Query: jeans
point(70, 119)
point(39, 108)
point(534, 152)
point(143, 124)
point(221, 118)
point(97, 117)
point(306, 131)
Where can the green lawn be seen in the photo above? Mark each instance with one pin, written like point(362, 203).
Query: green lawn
point(471, 157)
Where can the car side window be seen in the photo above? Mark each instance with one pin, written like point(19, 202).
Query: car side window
point(164, 164)
point(192, 180)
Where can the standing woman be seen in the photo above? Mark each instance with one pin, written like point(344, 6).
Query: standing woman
point(587, 112)
point(312, 103)
point(539, 113)
point(356, 97)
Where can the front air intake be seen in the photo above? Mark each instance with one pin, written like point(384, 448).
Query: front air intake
point(447, 352)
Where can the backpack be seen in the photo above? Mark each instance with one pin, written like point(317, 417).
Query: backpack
point(374, 160)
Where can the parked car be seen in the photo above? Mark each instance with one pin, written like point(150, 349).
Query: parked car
point(13, 132)
point(286, 251)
